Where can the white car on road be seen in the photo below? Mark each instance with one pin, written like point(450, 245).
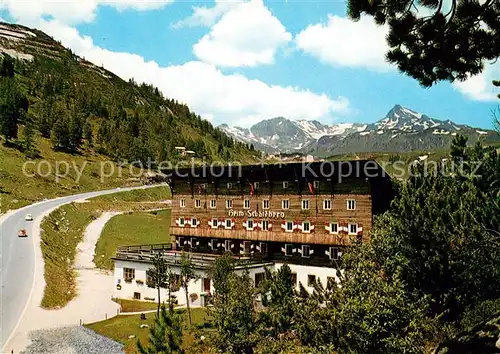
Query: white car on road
point(28, 217)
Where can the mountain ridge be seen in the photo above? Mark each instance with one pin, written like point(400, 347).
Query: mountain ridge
point(402, 129)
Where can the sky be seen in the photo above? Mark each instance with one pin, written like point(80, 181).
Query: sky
point(239, 62)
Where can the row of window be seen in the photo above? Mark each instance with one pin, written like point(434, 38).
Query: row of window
point(264, 225)
point(285, 204)
point(311, 279)
point(290, 249)
point(256, 185)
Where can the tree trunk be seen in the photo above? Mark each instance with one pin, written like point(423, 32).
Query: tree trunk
point(169, 300)
point(187, 304)
point(159, 302)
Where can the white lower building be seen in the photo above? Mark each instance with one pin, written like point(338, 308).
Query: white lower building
point(132, 263)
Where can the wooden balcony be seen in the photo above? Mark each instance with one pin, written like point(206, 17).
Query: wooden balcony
point(319, 237)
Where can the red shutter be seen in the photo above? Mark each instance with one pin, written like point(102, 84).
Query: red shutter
point(233, 223)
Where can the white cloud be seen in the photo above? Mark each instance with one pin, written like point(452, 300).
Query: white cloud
point(480, 87)
point(71, 11)
point(232, 99)
point(246, 35)
point(342, 42)
point(207, 16)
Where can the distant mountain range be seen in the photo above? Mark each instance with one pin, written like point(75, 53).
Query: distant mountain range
point(400, 130)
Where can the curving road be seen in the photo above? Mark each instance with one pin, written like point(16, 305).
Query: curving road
point(18, 257)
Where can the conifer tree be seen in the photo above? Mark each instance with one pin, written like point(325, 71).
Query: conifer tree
point(158, 277)
point(187, 275)
point(450, 43)
point(165, 335)
point(29, 138)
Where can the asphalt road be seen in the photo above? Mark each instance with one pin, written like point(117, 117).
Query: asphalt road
point(18, 258)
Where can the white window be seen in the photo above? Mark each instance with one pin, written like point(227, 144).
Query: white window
point(181, 222)
point(263, 247)
point(229, 204)
point(285, 185)
point(256, 185)
point(305, 204)
point(197, 203)
point(306, 251)
point(194, 222)
point(215, 223)
point(353, 229)
point(128, 274)
point(311, 279)
point(229, 185)
point(327, 204)
point(246, 247)
point(316, 184)
point(249, 224)
point(213, 204)
point(306, 227)
point(285, 204)
point(246, 204)
point(288, 250)
point(229, 223)
point(289, 226)
point(182, 203)
point(334, 228)
point(334, 253)
point(265, 204)
point(227, 245)
point(351, 204)
point(265, 225)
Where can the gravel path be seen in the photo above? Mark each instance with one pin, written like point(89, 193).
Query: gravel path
point(92, 304)
point(71, 340)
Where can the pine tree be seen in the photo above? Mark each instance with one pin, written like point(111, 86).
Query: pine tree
point(448, 44)
point(165, 335)
point(75, 132)
point(158, 277)
point(458, 146)
point(187, 275)
point(12, 104)
point(7, 69)
point(278, 297)
point(29, 138)
point(88, 133)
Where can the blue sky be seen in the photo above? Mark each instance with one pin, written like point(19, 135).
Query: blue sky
point(239, 62)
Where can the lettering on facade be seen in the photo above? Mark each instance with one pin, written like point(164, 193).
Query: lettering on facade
point(256, 214)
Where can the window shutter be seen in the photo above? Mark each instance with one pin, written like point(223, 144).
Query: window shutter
point(233, 224)
point(360, 229)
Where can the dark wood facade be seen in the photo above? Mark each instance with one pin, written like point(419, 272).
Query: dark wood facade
point(307, 208)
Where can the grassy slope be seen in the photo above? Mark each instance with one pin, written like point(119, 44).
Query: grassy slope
point(18, 189)
point(63, 229)
point(131, 229)
point(119, 328)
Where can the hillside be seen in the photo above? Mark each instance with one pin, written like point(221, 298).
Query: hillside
point(54, 104)
point(401, 130)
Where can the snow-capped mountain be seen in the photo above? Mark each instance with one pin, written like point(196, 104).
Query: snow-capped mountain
point(402, 129)
point(281, 134)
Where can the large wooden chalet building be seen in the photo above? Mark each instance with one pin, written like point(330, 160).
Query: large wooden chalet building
point(302, 213)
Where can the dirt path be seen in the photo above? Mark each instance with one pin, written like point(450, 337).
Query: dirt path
point(93, 302)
